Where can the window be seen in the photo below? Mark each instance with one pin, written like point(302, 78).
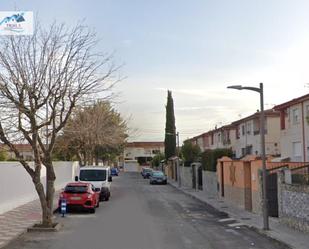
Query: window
point(249, 150)
point(92, 175)
point(295, 116)
point(76, 189)
point(282, 119)
point(237, 132)
point(297, 149)
point(243, 129)
point(248, 128)
point(307, 114)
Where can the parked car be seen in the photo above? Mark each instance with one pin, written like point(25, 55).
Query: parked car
point(146, 172)
point(80, 195)
point(114, 171)
point(98, 176)
point(157, 177)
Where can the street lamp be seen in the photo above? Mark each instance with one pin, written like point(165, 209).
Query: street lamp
point(262, 134)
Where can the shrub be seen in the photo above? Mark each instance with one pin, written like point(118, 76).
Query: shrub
point(190, 153)
point(210, 157)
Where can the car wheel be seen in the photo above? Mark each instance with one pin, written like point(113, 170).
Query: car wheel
point(92, 210)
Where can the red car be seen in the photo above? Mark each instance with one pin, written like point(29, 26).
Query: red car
point(80, 195)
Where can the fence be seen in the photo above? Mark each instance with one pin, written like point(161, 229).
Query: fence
point(300, 175)
point(16, 186)
point(293, 199)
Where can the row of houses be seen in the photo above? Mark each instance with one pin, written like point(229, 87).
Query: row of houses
point(286, 133)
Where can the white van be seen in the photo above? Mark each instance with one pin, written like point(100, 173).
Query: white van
point(100, 177)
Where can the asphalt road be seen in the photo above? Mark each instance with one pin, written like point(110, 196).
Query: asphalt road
point(143, 216)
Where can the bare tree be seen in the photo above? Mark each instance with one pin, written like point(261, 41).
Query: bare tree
point(94, 129)
point(42, 78)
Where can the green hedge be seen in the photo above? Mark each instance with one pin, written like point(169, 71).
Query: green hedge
point(209, 158)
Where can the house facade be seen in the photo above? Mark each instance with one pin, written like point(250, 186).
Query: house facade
point(223, 137)
point(294, 129)
point(25, 151)
point(201, 140)
point(142, 151)
point(248, 139)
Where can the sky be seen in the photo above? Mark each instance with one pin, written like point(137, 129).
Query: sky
point(195, 49)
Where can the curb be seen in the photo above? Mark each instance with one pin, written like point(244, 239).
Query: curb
point(34, 228)
point(265, 233)
point(256, 229)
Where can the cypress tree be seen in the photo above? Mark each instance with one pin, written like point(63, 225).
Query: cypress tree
point(170, 128)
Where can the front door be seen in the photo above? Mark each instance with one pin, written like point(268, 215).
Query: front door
point(248, 187)
point(222, 178)
point(272, 194)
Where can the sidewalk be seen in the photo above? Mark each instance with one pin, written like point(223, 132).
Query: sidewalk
point(279, 231)
point(16, 221)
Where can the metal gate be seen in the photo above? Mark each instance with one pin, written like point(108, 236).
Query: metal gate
point(272, 194)
point(200, 178)
point(193, 168)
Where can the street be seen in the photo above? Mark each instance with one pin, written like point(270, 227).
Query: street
point(143, 216)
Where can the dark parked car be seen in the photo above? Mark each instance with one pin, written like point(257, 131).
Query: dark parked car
point(158, 177)
point(146, 172)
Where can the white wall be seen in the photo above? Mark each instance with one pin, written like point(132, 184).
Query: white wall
point(16, 186)
point(186, 176)
point(291, 134)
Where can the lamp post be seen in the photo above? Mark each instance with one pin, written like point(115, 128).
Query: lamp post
point(262, 135)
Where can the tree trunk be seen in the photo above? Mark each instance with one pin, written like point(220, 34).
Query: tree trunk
point(40, 190)
point(50, 192)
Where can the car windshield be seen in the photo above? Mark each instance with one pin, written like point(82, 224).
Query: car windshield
point(157, 174)
point(92, 175)
point(147, 170)
point(75, 189)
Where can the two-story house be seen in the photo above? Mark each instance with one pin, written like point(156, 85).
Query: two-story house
point(143, 152)
point(201, 140)
point(248, 141)
point(222, 137)
point(294, 126)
